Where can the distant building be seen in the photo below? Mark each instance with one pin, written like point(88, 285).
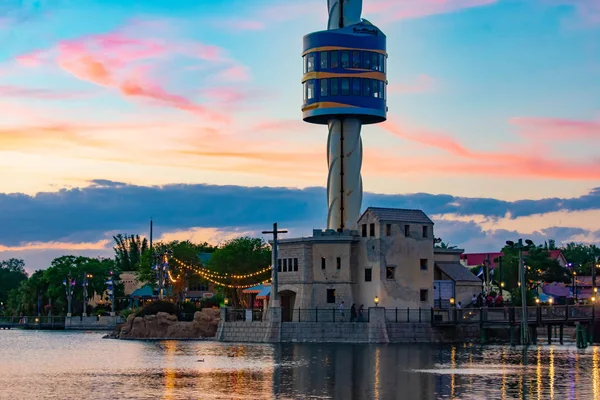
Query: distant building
point(391, 257)
point(452, 280)
point(471, 260)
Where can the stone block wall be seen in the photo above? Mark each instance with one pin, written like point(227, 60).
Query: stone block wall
point(249, 332)
point(345, 332)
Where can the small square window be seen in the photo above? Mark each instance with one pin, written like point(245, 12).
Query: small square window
point(330, 296)
point(371, 230)
point(356, 87)
point(345, 83)
point(345, 59)
point(374, 61)
point(279, 265)
point(310, 89)
point(388, 229)
point(423, 264)
point(310, 62)
point(368, 274)
point(295, 265)
point(334, 87)
point(364, 230)
point(324, 88)
point(390, 273)
point(338, 262)
point(424, 294)
point(425, 231)
point(334, 59)
point(407, 230)
point(323, 263)
point(323, 58)
point(356, 59)
point(366, 60)
point(366, 91)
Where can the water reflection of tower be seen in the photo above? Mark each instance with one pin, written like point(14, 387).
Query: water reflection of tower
point(356, 372)
point(344, 87)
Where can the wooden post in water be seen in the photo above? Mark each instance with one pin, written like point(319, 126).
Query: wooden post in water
point(561, 334)
point(549, 334)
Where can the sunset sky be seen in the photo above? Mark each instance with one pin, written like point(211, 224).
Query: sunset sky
point(188, 111)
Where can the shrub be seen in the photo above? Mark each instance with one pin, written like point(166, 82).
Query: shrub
point(156, 307)
point(127, 312)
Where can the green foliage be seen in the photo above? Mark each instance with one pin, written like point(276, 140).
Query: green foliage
point(581, 256)
point(156, 307)
point(128, 251)
point(47, 285)
point(12, 273)
point(515, 295)
point(128, 311)
point(240, 256)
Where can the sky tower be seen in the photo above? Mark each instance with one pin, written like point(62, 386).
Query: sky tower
point(344, 86)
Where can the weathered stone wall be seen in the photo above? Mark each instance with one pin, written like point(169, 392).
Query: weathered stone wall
point(374, 331)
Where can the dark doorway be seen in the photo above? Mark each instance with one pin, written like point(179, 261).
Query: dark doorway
point(287, 305)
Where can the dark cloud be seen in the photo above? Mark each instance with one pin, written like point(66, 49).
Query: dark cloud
point(86, 214)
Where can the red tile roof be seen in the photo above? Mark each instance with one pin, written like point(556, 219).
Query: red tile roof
point(474, 259)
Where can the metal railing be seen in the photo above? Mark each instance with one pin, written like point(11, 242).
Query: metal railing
point(513, 315)
point(408, 315)
point(326, 315)
point(31, 322)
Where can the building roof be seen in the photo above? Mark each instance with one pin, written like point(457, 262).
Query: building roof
point(144, 291)
point(456, 271)
point(398, 215)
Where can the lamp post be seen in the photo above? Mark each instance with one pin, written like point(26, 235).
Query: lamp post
point(86, 276)
point(524, 324)
point(69, 284)
point(500, 273)
point(111, 293)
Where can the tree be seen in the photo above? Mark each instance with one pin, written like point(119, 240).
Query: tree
point(129, 251)
point(581, 256)
point(241, 256)
point(444, 245)
point(12, 273)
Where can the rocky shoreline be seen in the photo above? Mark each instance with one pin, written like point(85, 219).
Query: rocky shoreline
point(166, 326)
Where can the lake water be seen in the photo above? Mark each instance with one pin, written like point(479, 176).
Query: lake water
point(76, 365)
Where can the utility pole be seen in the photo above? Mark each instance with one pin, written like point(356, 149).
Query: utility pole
point(524, 322)
point(501, 284)
point(85, 292)
point(69, 284)
point(274, 288)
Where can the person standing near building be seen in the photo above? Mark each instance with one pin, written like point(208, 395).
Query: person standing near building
point(361, 311)
point(342, 311)
point(353, 313)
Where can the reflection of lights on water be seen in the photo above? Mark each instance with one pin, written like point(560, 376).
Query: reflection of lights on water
point(170, 372)
point(377, 372)
point(453, 365)
point(538, 371)
point(595, 373)
point(551, 372)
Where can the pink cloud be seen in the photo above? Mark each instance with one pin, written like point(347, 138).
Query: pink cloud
point(557, 128)
point(423, 83)
point(517, 162)
point(238, 73)
point(120, 60)
point(394, 10)
point(16, 91)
